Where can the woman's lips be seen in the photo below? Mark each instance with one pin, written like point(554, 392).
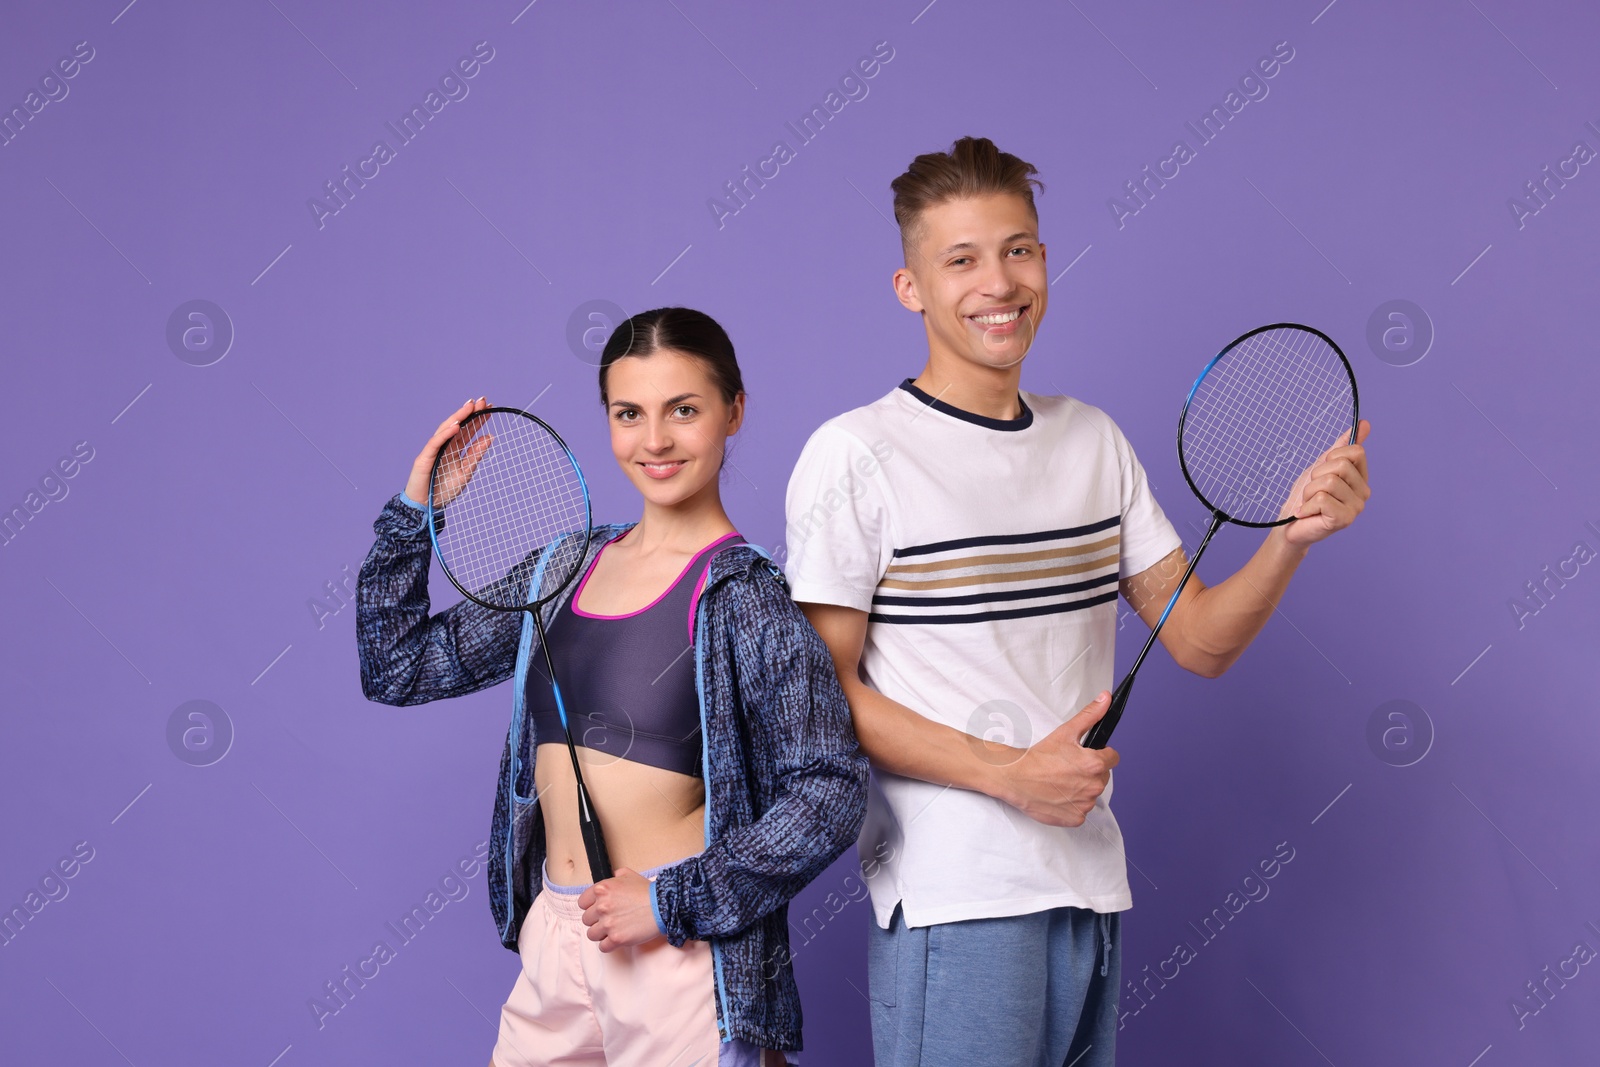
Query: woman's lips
point(660, 471)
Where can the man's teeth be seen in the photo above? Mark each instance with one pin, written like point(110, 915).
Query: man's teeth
point(997, 320)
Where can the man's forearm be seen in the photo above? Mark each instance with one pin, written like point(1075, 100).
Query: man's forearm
point(898, 740)
point(1222, 620)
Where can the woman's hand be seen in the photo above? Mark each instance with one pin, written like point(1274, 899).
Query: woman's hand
point(422, 469)
point(617, 911)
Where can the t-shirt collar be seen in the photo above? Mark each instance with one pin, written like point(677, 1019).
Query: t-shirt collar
point(1021, 422)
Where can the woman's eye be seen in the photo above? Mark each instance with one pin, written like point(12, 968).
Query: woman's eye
point(626, 415)
point(684, 411)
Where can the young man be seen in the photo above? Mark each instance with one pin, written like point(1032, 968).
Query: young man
point(960, 545)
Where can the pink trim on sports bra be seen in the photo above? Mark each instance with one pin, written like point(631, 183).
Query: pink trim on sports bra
point(670, 585)
point(694, 597)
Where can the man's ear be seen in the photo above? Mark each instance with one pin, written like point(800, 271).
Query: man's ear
point(905, 288)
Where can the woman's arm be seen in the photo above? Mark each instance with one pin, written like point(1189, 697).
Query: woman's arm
point(789, 696)
point(408, 656)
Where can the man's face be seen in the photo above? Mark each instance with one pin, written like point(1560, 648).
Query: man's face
point(977, 274)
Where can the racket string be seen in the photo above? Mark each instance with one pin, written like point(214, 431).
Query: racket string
point(525, 494)
point(1261, 416)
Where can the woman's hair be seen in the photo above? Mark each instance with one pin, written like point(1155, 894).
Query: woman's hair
point(972, 167)
point(694, 333)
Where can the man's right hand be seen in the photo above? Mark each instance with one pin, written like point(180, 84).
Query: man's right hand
point(1057, 781)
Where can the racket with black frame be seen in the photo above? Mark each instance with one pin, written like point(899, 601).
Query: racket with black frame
point(1262, 412)
point(508, 507)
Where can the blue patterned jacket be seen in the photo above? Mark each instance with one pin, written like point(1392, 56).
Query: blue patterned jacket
point(785, 781)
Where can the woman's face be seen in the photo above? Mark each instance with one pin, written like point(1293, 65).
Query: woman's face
point(669, 424)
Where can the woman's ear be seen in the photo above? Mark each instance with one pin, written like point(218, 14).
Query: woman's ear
point(736, 414)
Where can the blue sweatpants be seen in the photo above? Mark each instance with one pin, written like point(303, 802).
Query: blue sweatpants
point(1036, 990)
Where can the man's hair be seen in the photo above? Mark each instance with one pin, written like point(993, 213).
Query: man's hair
point(972, 167)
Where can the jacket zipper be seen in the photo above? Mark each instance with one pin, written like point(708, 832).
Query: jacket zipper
point(705, 773)
point(705, 764)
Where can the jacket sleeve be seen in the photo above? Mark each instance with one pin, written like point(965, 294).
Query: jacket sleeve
point(408, 656)
point(789, 699)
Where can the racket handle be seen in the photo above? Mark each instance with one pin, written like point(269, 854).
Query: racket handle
point(1099, 734)
point(594, 842)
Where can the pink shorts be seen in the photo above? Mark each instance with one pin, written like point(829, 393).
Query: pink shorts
point(649, 1005)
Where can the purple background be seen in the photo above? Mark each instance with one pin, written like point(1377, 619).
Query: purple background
point(183, 562)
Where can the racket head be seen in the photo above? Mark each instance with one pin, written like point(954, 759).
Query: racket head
point(513, 500)
point(1260, 414)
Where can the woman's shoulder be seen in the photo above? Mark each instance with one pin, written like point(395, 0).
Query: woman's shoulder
point(755, 592)
point(746, 563)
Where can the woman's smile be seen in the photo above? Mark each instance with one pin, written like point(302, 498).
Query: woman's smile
point(664, 468)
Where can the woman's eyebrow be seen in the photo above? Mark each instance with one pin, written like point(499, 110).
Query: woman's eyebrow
point(669, 402)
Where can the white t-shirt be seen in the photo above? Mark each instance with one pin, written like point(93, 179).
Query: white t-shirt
point(987, 553)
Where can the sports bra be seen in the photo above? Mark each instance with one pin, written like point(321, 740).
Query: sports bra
point(627, 681)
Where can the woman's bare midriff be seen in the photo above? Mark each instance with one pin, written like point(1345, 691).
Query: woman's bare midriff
point(650, 816)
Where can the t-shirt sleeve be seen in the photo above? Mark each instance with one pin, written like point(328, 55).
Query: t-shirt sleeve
point(836, 531)
point(1147, 535)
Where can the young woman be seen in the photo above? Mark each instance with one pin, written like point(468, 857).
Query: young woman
point(714, 738)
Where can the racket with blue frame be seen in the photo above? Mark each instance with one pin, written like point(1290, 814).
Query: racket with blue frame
point(1262, 412)
point(507, 503)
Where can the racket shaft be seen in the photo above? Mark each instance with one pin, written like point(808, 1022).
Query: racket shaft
point(1100, 734)
point(594, 842)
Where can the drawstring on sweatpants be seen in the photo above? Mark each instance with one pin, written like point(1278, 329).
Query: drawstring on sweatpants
point(1104, 922)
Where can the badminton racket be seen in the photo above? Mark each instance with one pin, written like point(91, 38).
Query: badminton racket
point(512, 508)
point(1261, 413)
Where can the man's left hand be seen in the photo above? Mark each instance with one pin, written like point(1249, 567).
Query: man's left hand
point(1330, 493)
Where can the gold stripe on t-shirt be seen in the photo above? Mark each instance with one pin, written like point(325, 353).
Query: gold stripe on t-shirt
point(998, 577)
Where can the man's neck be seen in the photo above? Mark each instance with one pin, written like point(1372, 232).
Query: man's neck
point(987, 391)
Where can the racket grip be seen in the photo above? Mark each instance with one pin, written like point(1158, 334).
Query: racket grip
point(1099, 734)
point(594, 842)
